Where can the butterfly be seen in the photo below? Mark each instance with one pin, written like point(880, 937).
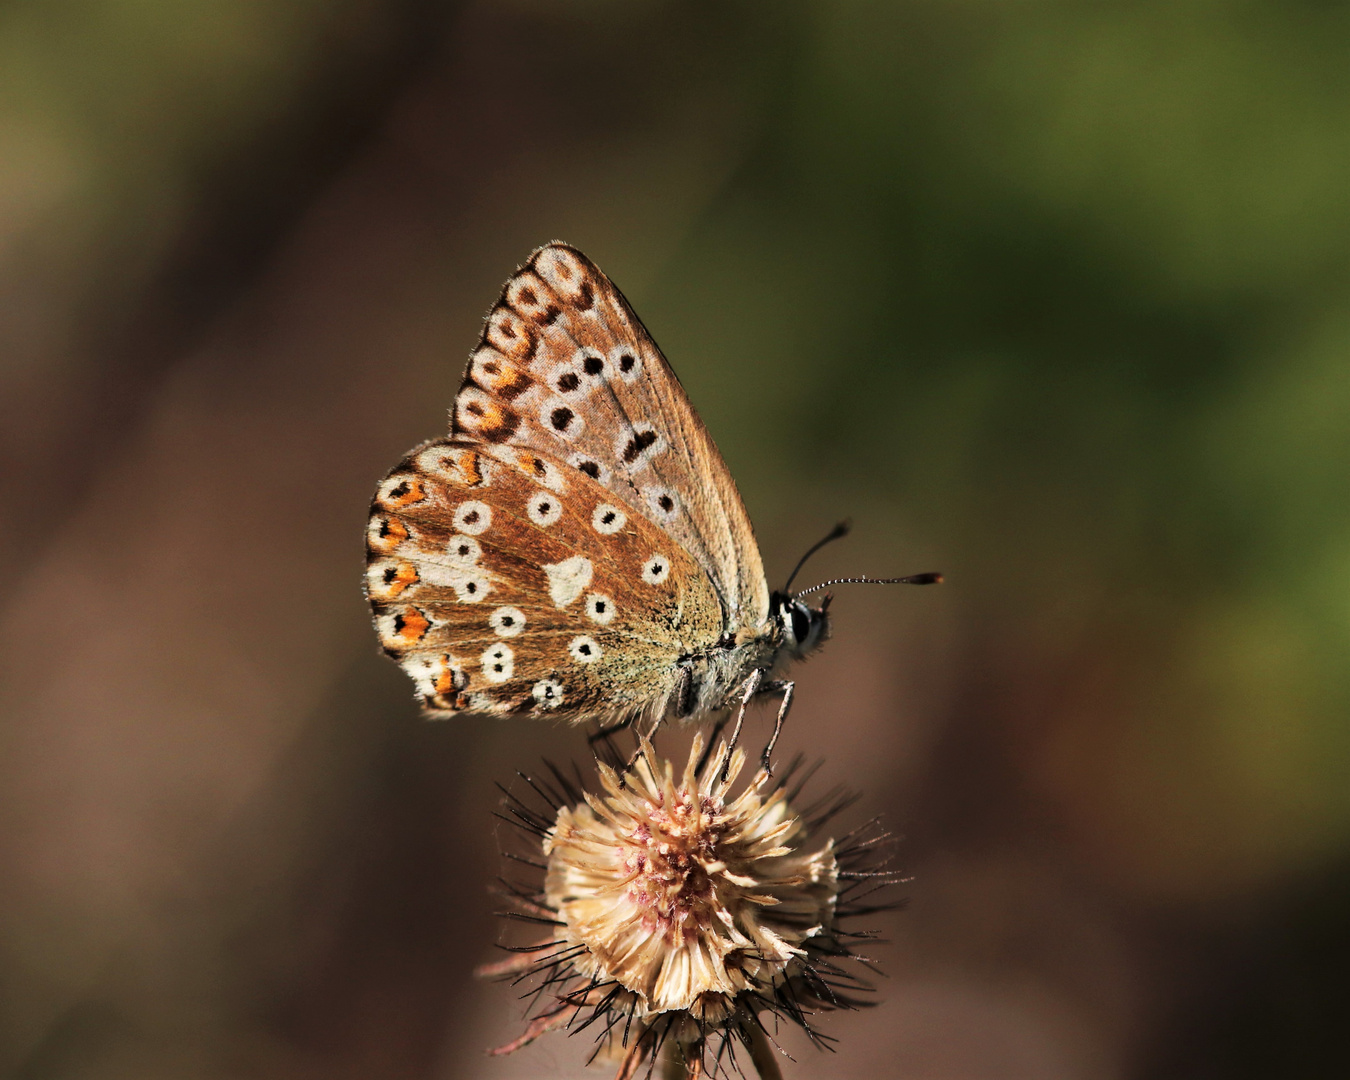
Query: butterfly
point(576, 547)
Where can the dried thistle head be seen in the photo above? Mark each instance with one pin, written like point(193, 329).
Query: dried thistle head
point(680, 912)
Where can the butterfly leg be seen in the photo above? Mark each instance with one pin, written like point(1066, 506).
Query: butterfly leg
point(786, 688)
point(748, 691)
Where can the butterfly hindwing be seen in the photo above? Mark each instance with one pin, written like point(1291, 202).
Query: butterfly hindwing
point(505, 581)
point(565, 368)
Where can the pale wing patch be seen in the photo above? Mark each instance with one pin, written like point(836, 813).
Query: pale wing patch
point(568, 579)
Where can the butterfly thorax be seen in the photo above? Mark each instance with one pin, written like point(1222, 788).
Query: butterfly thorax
point(716, 676)
point(710, 680)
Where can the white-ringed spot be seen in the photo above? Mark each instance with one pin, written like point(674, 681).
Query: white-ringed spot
point(568, 579)
point(584, 650)
point(544, 509)
point(507, 621)
point(663, 503)
point(599, 608)
point(548, 692)
point(557, 416)
point(473, 517)
point(590, 467)
point(499, 662)
point(470, 588)
point(626, 361)
point(608, 519)
point(591, 365)
point(655, 570)
point(464, 550)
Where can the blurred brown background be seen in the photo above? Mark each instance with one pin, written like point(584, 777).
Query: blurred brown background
point(1051, 296)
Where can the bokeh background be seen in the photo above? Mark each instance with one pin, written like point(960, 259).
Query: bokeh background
point(1052, 296)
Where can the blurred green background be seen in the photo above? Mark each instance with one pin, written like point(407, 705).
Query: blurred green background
point(1052, 296)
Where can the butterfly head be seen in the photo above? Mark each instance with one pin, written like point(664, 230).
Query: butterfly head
point(804, 628)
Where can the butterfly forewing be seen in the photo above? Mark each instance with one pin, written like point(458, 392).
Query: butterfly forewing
point(505, 580)
point(566, 369)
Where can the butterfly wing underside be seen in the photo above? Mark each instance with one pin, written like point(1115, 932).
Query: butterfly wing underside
point(505, 581)
point(567, 369)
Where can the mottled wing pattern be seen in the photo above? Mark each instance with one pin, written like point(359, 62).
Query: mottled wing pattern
point(506, 581)
point(566, 368)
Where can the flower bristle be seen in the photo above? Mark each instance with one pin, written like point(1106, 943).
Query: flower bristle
point(686, 919)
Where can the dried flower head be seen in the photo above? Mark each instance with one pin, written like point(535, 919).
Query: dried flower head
point(680, 912)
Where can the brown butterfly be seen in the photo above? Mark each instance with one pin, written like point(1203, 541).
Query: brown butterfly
point(576, 547)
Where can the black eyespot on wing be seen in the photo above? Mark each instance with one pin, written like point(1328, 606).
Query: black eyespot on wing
point(540, 469)
point(568, 381)
point(666, 503)
point(592, 365)
point(561, 417)
point(591, 469)
point(638, 443)
point(626, 362)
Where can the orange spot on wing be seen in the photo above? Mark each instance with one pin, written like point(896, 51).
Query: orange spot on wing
point(446, 683)
point(404, 574)
point(406, 492)
point(386, 534)
point(469, 469)
point(410, 626)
